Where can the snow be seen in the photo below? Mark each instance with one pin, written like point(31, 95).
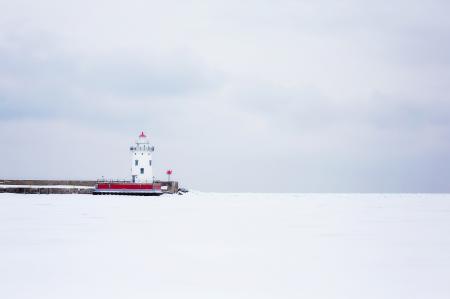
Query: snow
point(209, 245)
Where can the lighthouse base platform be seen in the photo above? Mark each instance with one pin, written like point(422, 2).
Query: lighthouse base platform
point(128, 188)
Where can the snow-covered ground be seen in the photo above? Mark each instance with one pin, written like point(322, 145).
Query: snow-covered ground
point(206, 245)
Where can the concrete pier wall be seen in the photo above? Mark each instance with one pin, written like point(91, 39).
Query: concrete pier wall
point(87, 183)
point(44, 190)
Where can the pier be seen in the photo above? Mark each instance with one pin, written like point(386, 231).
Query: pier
point(65, 186)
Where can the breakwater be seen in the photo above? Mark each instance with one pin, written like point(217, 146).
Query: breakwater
point(64, 186)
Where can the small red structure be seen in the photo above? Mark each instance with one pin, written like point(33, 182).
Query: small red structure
point(169, 172)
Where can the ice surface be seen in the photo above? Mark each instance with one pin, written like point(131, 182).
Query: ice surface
point(206, 245)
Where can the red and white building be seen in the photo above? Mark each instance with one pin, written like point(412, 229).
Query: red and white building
point(142, 180)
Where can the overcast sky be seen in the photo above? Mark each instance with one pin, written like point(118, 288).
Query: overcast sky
point(292, 96)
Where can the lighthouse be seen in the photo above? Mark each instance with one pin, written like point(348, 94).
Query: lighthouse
point(141, 160)
point(142, 182)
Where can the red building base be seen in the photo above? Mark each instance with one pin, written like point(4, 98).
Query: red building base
point(127, 188)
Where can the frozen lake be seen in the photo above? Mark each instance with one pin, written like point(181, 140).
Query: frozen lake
point(207, 245)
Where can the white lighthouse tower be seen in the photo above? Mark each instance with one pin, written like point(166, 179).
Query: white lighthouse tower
point(141, 160)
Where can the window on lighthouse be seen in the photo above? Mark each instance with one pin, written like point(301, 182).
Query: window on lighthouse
point(150, 162)
point(142, 170)
point(136, 162)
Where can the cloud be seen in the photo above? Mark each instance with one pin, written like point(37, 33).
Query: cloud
point(38, 80)
point(259, 96)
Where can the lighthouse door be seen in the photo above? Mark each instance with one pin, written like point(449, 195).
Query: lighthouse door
point(133, 178)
